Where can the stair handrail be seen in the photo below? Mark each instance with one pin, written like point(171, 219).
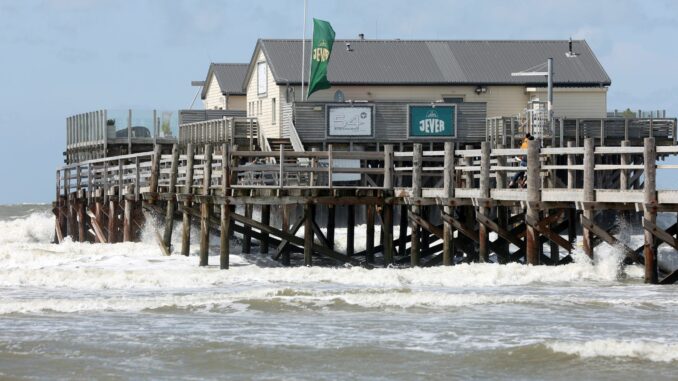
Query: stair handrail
point(297, 145)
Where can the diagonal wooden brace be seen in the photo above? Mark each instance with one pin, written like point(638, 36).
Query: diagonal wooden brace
point(542, 227)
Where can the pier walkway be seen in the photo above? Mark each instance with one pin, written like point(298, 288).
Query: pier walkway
point(447, 202)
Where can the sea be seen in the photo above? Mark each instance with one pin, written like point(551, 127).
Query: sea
point(81, 311)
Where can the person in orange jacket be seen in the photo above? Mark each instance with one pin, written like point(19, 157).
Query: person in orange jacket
point(519, 177)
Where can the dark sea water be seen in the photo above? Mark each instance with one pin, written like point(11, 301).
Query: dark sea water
point(124, 311)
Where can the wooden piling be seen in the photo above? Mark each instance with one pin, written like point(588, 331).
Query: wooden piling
point(483, 237)
point(589, 193)
point(285, 255)
point(171, 203)
point(330, 225)
point(266, 220)
point(502, 211)
point(402, 229)
point(205, 207)
point(533, 197)
point(247, 234)
point(448, 184)
point(112, 220)
point(127, 217)
point(369, 236)
point(225, 210)
point(571, 184)
point(186, 221)
point(155, 173)
point(415, 245)
point(350, 230)
point(650, 211)
point(387, 211)
point(308, 235)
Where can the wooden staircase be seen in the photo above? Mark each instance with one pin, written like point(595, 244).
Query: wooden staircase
point(275, 144)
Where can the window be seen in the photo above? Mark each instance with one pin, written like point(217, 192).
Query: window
point(273, 111)
point(261, 78)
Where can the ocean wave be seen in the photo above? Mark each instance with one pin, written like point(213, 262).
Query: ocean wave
point(633, 349)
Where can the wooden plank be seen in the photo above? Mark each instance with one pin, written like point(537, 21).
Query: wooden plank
point(610, 239)
point(499, 230)
point(98, 231)
point(671, 278)
point(438, 232)
point(472, 234)
point(565, 244)
point(660, 234)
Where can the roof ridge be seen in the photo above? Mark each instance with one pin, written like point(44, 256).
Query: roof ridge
point(423, 40)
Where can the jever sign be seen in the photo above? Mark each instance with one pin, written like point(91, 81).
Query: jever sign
point(432, 121)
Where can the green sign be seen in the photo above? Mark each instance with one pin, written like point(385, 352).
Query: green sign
point(323, 39)
point(433, 121)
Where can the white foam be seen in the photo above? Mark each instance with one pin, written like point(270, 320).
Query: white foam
point(635, 349)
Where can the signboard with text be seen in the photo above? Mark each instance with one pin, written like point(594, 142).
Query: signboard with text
point(349, 121)
point(432, 121)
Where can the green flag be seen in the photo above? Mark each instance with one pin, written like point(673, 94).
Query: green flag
point(323, 39)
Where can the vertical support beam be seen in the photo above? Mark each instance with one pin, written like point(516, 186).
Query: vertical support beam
point(387, 217)
point(186, 222)
point(350, 230)
point(448, 185)
point(286, 228)
point(205, 207)
point(469, 211)
point(483, 238)
point(502, 211)
point(171, 204)
point(247, 230)
point(571, 184)
point(369, 244)
point(225, 209)
point(331, 224)
point(414, 208)
point(99, 216)
point(155, 172)
point(533, 196)
point(127, 217)
point(624, 173)
point(589, 192)
point(112, 220)
point(402, 228)
point(266, 220)
point(650, 211)
point(308, 235)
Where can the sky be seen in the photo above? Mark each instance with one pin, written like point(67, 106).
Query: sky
point(62, 57)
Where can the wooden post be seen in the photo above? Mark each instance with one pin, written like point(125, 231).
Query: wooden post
point(78, 204)
point(350, 230)
point(369, 244)
point(533, 196)
point(186, 222)
point(127, 217)
point(502, 211)
point(415, 249)
point(155, 173)
point(448, 185)
point(99, 217)
point(402, 228)
point(266, 220)
point(571, 183)
point(650, 211)
point(330, 225)
point(387, 217)
point(624, 173)
point(225, 215)
point(484, 253)
point(589, 193)
point(308, 235)
point(205, 207)
point(112, 220)
point(247, 231)
point(171, 204)
point(469, 211)
point(286, 228)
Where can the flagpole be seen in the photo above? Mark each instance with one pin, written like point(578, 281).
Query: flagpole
point(303, 52)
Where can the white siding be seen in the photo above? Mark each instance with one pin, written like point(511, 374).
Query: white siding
point(214, 100)
point(576, 102)
point(264, 116)
point(237, 102)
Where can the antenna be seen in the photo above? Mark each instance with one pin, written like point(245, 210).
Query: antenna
point(570, 52)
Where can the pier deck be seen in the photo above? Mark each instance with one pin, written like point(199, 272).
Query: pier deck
point(450, 200)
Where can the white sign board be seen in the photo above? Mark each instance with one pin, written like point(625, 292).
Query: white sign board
point(349, 121)
point(342, 163)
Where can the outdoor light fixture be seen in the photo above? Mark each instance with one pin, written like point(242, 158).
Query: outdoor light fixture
point(481, 90)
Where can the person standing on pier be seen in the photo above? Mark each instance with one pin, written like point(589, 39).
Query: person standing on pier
point(519, 178)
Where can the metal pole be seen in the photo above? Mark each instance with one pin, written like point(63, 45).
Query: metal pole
point(550, 94)
point(303, 51)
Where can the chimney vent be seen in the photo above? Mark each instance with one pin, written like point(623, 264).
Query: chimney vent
point(361, 36)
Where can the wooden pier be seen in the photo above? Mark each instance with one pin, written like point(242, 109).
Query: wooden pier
point(450, 201)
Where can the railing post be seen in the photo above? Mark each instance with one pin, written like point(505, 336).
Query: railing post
point(169, 216)
point(188, 190)
point(649, 209)
point(414, 208)
point(388, 207)
point(571, 182)
point(448, 185)
point(281, 174)
point(624, 172)
point(533, 197)
point(225, 227)
point(155, 173)
point(589, 193)
point(484, 253)
point(205, 207)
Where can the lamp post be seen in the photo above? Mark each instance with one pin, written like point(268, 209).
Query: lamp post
point(549, 80)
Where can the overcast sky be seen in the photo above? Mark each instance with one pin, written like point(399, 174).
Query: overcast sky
point(61, 57)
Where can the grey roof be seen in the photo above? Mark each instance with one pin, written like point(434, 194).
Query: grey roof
point(414, 62)
point(230, 77)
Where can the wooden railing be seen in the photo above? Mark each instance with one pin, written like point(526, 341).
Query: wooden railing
point(565, 175)
point(232, 130)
